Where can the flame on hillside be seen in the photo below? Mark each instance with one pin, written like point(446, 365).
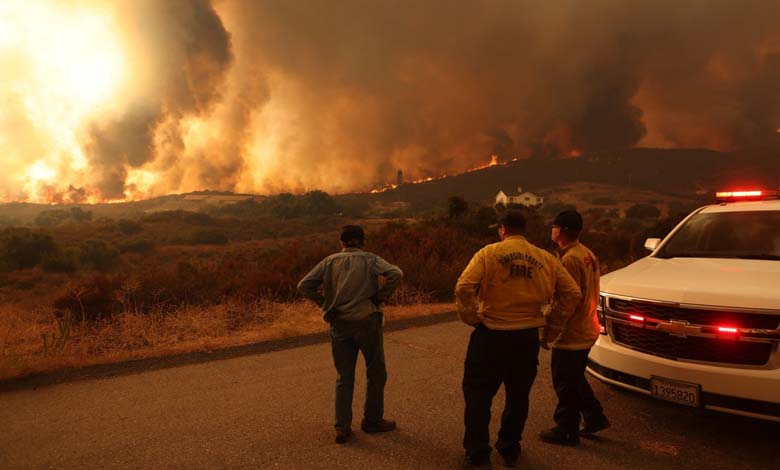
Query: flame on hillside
point(493, 162)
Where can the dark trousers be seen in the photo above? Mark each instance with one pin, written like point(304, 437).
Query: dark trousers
point(347, 338)
point(575, 397)
point(495, 357)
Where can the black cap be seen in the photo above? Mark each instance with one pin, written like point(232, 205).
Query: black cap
point(570, 221)
point(511, 219)
point(352, 232)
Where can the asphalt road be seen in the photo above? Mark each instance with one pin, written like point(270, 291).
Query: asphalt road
point(274, 410)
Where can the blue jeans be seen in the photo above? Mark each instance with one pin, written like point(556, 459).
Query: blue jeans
point(347, 338)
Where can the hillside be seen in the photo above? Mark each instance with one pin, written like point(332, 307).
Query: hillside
point(22, 213)
point(676, 172)
point(691, 174)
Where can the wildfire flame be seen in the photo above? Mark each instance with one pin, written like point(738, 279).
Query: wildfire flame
point(493, 162)
point(60, 64)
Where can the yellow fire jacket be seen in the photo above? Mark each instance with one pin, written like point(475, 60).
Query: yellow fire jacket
point(506, 285)
point(581, 329)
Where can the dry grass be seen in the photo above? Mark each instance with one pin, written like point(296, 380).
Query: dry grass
point(582, 194)
point(134, 335)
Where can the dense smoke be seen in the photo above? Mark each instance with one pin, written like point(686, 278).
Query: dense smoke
point(282, 95)
point(183, 53)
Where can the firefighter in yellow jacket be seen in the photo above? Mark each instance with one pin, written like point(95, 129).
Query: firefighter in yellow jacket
point(502, 293)
point(571, 341)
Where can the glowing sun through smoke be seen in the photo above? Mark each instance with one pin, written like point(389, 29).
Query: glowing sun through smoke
point(61, 62)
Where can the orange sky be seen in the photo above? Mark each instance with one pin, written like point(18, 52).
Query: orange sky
point(137, 98)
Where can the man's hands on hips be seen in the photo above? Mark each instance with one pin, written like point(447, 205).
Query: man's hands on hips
point(470, 317)
point(543, 339)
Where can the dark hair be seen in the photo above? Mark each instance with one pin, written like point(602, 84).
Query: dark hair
point(352, 235)
point(513, 220)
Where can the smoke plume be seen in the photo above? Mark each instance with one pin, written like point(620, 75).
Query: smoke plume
point(281, 95)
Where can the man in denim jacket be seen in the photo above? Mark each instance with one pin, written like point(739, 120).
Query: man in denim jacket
point(351, 302)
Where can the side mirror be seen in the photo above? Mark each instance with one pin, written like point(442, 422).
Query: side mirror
point(652, 243)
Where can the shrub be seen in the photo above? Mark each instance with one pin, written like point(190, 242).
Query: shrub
point(141, 245)
point(50, 218)
point(91, 299)
point(643, 211)
point(98, 254)
point(60, 262)
point(129, 227)
point(209, 237)
point(457, 207)
point(553, 208)
point(318, 202)
point(594, 213)
point(22, 248)
point(630, 226)
point(80, 215)
point(179, 217)
point(286, 205)
point(25, 284)
point(604, 201)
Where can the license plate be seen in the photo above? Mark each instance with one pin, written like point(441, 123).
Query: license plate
point(678, 392)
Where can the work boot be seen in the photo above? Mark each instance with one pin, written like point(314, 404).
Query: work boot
point(558, 436)
point(510, 461)
point(474, 464)
point(343, 435)
point(383, 425)
point(595, 425)
point(510, 456)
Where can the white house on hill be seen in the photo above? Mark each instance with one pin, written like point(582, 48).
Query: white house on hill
point(523, 198)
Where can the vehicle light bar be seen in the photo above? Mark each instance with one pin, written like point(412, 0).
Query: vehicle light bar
point(754, 194)
point(738, 194)
point(727, 329)
point(637, 318)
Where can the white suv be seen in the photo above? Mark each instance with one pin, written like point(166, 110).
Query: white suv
point(698, 321)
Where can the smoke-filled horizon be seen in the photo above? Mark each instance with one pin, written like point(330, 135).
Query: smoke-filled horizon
point(112, 101)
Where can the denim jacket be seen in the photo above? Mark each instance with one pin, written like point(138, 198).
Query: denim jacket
point(350, 284)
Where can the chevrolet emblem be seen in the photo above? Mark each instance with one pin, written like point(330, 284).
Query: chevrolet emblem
point(678, 328)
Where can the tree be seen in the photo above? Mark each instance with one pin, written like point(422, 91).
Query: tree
point(318, 202)
point(457, 207)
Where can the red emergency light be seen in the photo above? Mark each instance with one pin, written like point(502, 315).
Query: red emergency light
point(750, 195)
point(738, 194)
point(637, 318)
point(727, 329)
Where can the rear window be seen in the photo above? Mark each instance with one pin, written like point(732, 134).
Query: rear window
point(747, 235)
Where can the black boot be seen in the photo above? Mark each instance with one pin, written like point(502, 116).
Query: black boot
point(558, 436)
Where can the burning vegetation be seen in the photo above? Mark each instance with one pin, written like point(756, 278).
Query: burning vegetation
point(114, 101)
